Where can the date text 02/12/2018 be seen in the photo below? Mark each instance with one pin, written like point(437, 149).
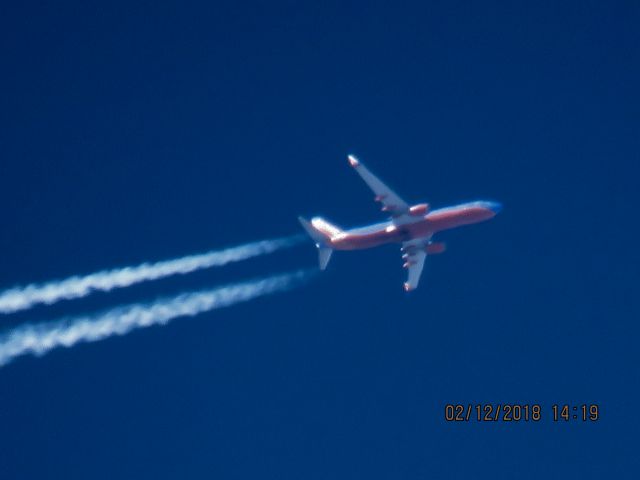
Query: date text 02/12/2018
point(498, 412)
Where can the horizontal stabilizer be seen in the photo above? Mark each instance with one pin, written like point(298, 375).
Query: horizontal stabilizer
point(321, 233)
point(315, 235)
point(324, 255)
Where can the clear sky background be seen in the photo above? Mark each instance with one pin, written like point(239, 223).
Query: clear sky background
point(135, 131)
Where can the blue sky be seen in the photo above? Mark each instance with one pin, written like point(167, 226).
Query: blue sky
point(146, 131)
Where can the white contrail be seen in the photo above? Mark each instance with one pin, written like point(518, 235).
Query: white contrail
point(22, 298)
point(39, 339)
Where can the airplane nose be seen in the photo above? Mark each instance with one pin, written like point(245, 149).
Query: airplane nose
point(495, 207)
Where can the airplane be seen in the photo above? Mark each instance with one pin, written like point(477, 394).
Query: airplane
point(411, 226)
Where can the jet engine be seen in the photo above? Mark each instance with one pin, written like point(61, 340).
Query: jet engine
point(435, 247)
point(419, 210)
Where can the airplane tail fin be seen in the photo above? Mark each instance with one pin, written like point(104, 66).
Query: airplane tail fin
point(321, 232)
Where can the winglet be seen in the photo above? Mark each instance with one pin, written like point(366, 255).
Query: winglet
point(353, 161)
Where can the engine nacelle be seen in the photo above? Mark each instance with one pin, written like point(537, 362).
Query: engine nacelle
point(419, 210)
point(435, 247)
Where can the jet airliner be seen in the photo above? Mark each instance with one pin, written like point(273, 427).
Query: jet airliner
point(411, 226)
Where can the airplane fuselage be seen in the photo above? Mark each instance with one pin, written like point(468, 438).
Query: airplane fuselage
point(433, 222)
point(410, 225)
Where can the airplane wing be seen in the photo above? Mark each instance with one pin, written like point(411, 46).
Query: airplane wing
point(391, 202)
point(414, 255)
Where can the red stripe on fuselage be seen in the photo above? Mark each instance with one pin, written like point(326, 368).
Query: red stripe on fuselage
point(431, 223)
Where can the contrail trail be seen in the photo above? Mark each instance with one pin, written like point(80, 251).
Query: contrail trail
point(41, 338)
point(22, 298)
